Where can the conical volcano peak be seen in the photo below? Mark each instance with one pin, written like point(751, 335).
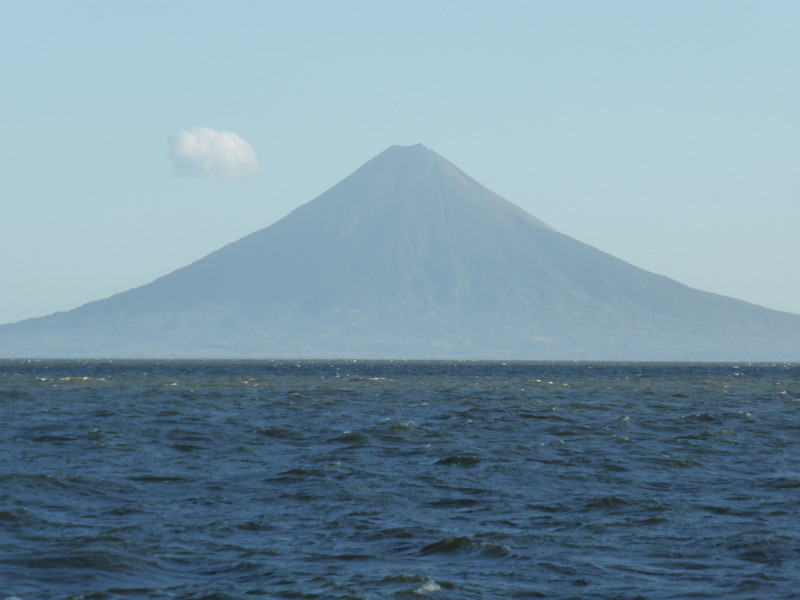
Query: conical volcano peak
point(413, 147)
point(417, 153)
point(411, 187)
point(422, 158)
point(419, 178)
point(410, 257)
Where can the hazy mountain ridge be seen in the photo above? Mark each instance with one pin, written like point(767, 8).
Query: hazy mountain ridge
point(408, 257)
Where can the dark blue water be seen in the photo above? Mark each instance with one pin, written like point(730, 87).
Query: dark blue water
point(220, 480)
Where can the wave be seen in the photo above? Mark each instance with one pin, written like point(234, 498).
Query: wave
point(465, 544)
point(460, 460)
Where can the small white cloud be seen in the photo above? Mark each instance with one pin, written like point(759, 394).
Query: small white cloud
point(204, 151)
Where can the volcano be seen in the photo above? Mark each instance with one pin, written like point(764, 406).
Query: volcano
point(408, 257)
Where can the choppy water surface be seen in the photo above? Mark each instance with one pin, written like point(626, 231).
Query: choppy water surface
point(377, 480)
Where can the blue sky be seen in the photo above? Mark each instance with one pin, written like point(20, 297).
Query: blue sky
point(664, 133)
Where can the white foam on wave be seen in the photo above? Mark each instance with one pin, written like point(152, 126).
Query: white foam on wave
point(429, 586)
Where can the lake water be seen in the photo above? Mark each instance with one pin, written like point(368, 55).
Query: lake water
point(320, 479)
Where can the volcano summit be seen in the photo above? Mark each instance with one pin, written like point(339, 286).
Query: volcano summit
point(408, 257)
